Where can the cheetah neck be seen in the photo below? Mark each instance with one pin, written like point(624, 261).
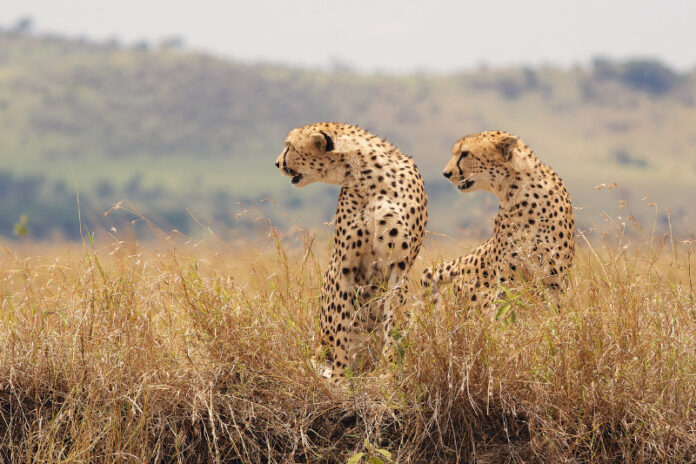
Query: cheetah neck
point(372, 172)
point(525, 186)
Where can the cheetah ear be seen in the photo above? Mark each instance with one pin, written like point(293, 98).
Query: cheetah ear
point(507, 146)
point(321, 141)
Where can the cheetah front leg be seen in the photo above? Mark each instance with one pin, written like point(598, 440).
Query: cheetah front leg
point(434, 277)
point(395, 289)
point(345, 335)
point(463, 267)
point(346, 310)
point(392, 250)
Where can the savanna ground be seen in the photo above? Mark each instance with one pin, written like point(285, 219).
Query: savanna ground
point(200, 351)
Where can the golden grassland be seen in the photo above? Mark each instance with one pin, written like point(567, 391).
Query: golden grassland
point(200, 352)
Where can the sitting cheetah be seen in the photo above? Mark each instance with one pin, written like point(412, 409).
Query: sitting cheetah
point(380, 223)
point(534, 230)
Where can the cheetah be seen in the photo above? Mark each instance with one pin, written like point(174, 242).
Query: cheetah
point(380, 222)
point(534, 233)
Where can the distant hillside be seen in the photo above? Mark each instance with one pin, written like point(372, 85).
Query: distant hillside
point(169, 130)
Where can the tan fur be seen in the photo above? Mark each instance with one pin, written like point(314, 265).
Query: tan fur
point(534, 235)
point(380, 223)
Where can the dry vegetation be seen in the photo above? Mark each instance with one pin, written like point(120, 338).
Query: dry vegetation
point(186, 353)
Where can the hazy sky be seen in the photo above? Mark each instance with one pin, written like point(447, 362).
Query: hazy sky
point(388, 35)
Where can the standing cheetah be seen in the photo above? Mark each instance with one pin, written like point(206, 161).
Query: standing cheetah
point(534, 231)
point(380, 224)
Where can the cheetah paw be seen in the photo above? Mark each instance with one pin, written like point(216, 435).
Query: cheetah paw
point(321, 368)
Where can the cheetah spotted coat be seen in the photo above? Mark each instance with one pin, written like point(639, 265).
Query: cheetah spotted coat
point(379, 227)
point(534, 235)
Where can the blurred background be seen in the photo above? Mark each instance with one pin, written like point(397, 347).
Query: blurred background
point(178, 110)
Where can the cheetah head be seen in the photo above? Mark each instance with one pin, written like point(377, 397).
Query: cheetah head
point(480, 160)
point(309, 156)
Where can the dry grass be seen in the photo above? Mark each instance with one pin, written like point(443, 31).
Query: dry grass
point(201, 354)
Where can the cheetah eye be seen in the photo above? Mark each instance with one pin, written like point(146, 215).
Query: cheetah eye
point(465, 153)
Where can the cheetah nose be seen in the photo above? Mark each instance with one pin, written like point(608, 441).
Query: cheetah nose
point(447, 174)
point(277, 163)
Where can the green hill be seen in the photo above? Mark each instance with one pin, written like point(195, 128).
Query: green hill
point(169, 131)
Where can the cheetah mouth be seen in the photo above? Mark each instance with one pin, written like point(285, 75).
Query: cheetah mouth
point(465, 184)
point(296, 177)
